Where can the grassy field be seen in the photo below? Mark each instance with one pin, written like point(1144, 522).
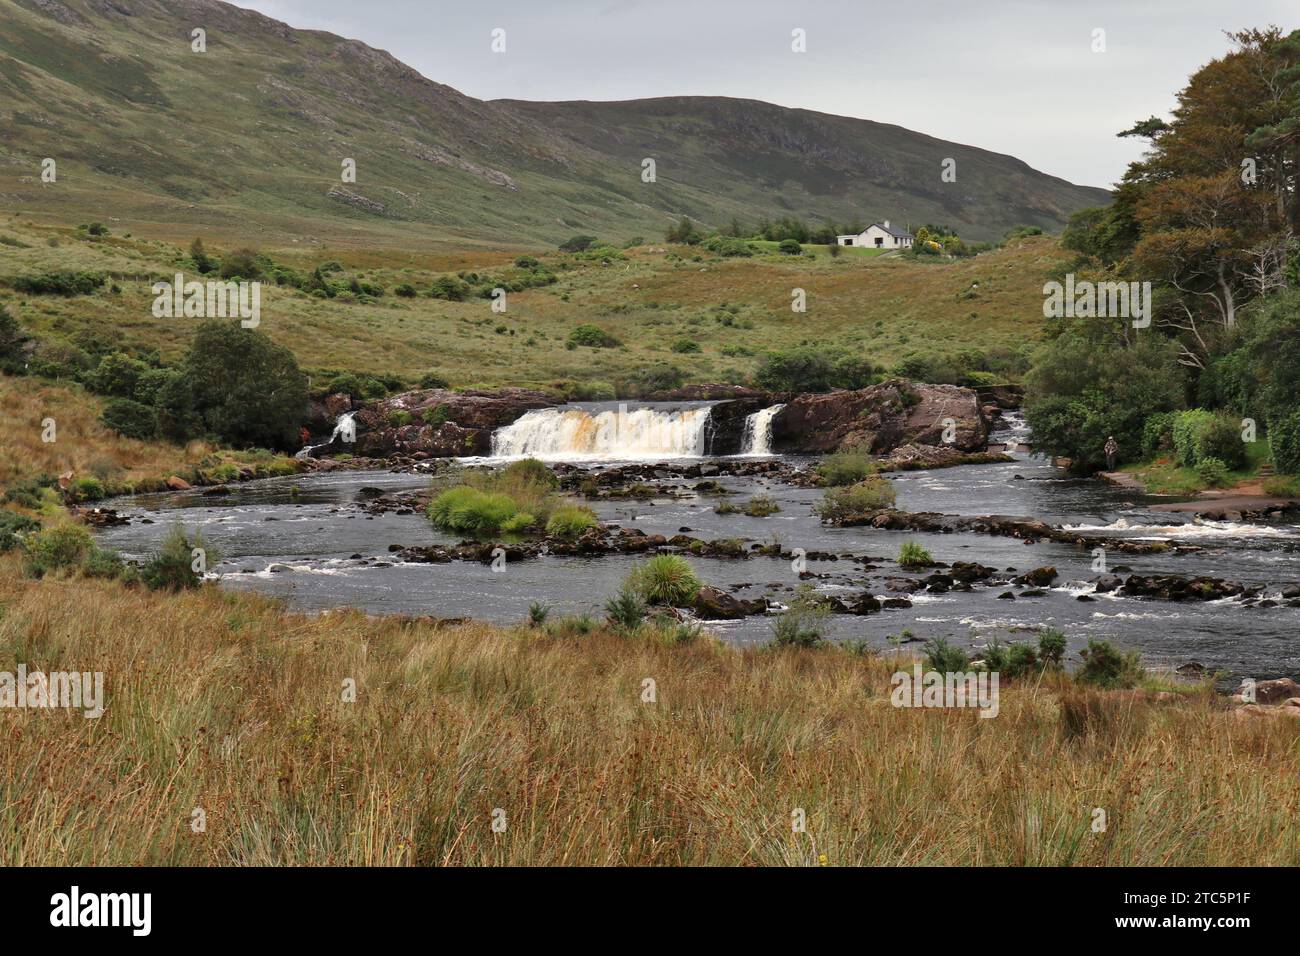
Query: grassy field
point(222, 703)
point(710, 317)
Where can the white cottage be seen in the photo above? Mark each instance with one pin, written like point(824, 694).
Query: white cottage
point(879, 235)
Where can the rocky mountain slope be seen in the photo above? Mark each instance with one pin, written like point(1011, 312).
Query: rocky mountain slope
point(255, 129)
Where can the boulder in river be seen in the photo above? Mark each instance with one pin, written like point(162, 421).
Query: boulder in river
point(1038, 578)
point(714, 604)
point(881, 418)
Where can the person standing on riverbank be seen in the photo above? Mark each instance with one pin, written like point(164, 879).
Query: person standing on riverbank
point(1112, 449)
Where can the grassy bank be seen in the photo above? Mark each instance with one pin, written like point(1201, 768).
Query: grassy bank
point(83, 445)
point(221, 702)
point(1163, 475)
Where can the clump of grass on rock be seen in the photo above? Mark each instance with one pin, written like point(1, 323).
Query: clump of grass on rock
point(912, 555)
point(515, 500)
point(665, 579)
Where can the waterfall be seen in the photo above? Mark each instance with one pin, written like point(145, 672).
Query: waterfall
point(612, 433)
point(757, 439)
point(342, 425)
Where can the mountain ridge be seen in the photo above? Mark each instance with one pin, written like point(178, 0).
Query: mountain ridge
point(254, 131)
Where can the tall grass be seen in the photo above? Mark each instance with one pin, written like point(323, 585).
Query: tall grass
point(219, 701)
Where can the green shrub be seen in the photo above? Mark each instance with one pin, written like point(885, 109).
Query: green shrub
point(656, 378)
point(1051, 647)
point(592, 336)
point(32, 493)
point(942, 657)
point(845, 468)
point(685, 346)
point(578, 243)
point(172, 566)
point(626, 610)
point(789, 247)
point(729, 246)
point(912, 555)
point(199, 256)
point(435, 415)
point(805, 369)
point(404, 290)
point(151, 383)
point(1021, 659)
point(803, 623)
point(241, 264)
point(432, 380)
point(130, 419)
point(1213, 472)
point(592, 392)
point(399, 417)
point(86, 488)
point(450, 289)
point(1284, 440)
point(1158, 433)
point(59, 548)
point(13, 527)
point(1199, 434)
point(117, 375)
point(103, 563)
point(237, 385)
point(1108, 667)
point(863, 498)
point(569, 521)
point(359, 388)
point(1083, 389)
point(520, 523)
point(59, 283)
point(665, 579)
point(11, 342)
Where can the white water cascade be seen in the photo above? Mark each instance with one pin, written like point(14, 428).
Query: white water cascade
point(757, 439)
point(569, 433)
point(342, 426)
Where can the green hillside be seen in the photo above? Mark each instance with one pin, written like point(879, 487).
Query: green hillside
point(249, 137)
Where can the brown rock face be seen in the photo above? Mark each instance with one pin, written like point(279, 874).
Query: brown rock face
point(440, 423)
point(881, 418)
point(1275, 691)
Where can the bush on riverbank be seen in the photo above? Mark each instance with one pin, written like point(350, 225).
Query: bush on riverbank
point(178, 564)
point(1199, 434)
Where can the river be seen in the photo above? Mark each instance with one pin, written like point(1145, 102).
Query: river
point(309, 540)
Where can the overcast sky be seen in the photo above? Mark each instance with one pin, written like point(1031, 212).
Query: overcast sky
point(1014, 76)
